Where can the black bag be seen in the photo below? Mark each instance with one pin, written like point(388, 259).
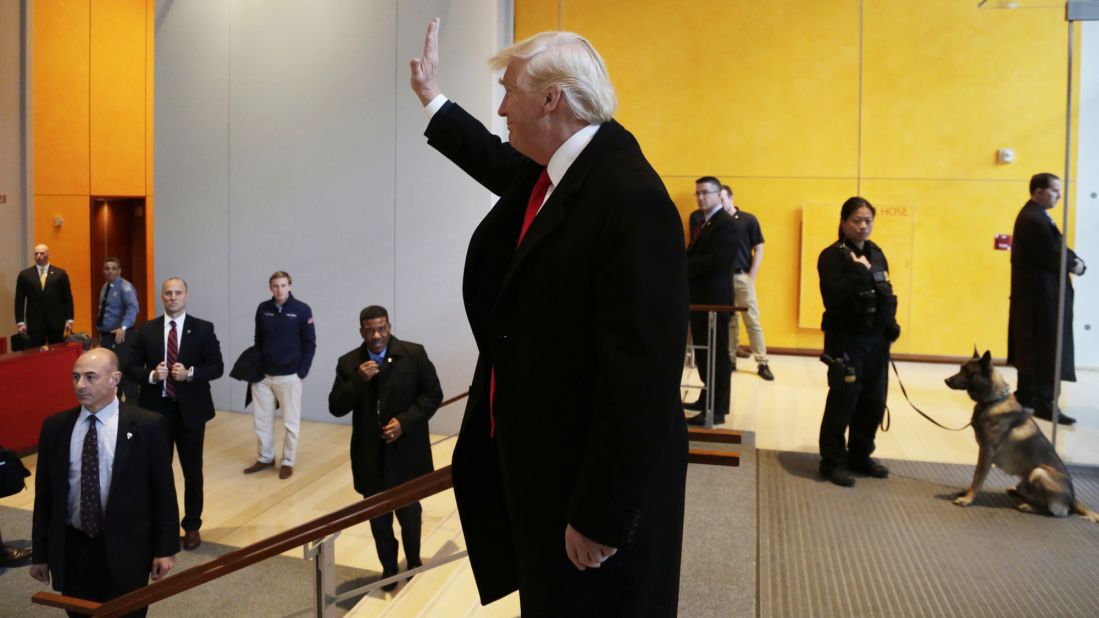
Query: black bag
point(20, 341)
point(12, 473)
point(84, 339)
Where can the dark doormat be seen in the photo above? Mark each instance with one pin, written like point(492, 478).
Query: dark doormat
point(900, 547)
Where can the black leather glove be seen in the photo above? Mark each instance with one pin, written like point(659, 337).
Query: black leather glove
point(893, 332)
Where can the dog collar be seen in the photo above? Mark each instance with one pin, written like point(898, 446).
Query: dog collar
point(1002, 397)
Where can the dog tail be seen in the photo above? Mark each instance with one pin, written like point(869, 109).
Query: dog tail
point(1082, 510)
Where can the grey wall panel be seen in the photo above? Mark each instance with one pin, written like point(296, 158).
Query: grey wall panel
point(311, 189)
point(438, 206)
point(191, 181)
point(288, 138)
point(1085, 203)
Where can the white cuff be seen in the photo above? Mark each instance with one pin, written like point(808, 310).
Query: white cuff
point(434, 105)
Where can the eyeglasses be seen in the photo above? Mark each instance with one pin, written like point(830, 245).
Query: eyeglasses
point(701, 193)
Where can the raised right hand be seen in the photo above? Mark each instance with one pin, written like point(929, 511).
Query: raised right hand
point(425, 70)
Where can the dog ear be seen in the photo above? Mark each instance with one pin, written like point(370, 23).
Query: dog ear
point(986, 360)
point(976, 354)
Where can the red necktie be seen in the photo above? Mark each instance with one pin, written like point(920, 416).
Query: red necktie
point(173, 354)
point(537, 196)
point(534, 204)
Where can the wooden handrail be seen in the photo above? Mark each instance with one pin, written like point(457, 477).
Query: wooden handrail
point(720, 436)
point(374, 506)
point(713, 458)
point(378, 504)
point(369, 508)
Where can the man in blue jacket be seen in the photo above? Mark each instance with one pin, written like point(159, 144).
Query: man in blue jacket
point(287, 339)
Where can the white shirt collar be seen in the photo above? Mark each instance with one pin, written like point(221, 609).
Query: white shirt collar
point(567, 153)
point(179, 320)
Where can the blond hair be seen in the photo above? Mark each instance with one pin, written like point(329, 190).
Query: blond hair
point(568, 61)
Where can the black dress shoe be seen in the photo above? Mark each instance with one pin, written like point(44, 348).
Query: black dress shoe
point(837, 475)
point(765, 372)
point(191, 540)
point(1047, 415)
point(13, 556)
point(386, 574)
point(869, 467)
point(698, 420)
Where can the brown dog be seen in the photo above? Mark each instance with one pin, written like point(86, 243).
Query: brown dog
point(1008, 437)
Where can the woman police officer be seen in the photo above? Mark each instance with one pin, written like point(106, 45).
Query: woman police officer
point(859, 323)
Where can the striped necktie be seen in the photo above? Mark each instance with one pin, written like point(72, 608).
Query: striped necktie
point(170, 359)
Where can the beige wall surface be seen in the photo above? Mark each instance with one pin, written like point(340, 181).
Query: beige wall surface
point(14, 254)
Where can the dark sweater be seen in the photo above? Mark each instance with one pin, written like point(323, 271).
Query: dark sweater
point(286, 337)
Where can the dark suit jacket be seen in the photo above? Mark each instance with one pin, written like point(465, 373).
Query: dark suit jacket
point(198, 348)
point(406, 389)
point(585, 325)
point(141, 519)
point(43, 310)
point(1032, 315)
point(709, 259)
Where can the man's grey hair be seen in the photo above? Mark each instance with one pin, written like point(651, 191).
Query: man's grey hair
point(568, 61)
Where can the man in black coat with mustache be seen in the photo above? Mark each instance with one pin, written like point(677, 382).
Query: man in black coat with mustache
point(392, 390)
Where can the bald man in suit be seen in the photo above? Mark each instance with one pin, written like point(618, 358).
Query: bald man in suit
point(105, 504)
point(43, 301)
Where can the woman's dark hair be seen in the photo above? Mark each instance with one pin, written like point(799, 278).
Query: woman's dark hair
point(850, 206)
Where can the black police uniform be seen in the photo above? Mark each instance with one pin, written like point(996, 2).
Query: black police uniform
point(859, 323)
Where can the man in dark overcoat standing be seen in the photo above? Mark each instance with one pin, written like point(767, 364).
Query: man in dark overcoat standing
point(570, 466)
point(391, 388)
point(1032, 318)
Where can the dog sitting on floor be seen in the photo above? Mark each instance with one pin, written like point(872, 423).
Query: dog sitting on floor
point(1008, 437)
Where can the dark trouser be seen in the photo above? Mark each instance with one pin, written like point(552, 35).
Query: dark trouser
point(188, 441)
point(41, 335)
point(854, 407)
point(87, 574)
point(382, 527)
point(1035, 391)
point(126, 387)
point(700, 321)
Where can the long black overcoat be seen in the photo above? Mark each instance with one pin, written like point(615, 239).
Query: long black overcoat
point(1032, 316)
point(585, 326)
point(406, 389)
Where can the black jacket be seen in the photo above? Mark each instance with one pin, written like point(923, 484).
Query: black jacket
point(406, 389)
point(710, 259)
point(585, 325)
point(856, 299)
point(198, 348)
point(141, 520)
point(1032, 314)
point(43, 310)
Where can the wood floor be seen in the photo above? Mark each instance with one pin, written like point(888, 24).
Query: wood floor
point(784, 414)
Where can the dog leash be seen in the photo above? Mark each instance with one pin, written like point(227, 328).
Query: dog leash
point(921, 412)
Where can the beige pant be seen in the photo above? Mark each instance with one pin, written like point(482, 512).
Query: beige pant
point(287, 391)
point(744, 295)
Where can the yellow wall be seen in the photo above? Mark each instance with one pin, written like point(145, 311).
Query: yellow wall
point(92, 124)
point(796, 104)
